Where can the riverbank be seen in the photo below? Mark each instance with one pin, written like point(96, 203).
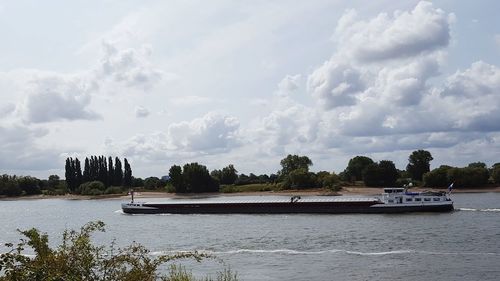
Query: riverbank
point(346, 191)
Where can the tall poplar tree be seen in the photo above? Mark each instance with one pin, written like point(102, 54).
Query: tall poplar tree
point(127, 176)
point(111, 171)
point(78, 173)
point(103, 171)
point(118, 172)
point(86, 170)
point(69, 174)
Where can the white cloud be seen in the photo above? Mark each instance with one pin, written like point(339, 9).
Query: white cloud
point(481, 79)
point(381, 92)
point(335, 84)
point(54, 97)
point(6, 109)
point(141, 112)
point(404, 84)
point(18, 150)
point(129, 66)
point(289, 84)
point(473, 96)
point(209, 133)
point(404, 34)
point(189, 100)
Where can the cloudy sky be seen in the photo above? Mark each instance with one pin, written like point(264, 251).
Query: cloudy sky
point(247, 82)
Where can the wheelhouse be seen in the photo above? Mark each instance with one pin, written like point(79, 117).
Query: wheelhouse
point(397, 195)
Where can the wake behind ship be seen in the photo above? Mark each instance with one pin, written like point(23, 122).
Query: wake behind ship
point(393, 200)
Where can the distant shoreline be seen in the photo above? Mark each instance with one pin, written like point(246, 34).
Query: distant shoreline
point(346, 191)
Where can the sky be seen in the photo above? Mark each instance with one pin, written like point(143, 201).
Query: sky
point(247, 83)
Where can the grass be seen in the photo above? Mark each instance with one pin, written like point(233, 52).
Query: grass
point(249, 188)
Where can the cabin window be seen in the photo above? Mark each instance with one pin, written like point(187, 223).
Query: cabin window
point(427, 199)
point(391, 201)
point(409, 199)
point(436, 199)
point(418, 199)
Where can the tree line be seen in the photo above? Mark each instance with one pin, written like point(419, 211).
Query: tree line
point(99, 173)
point(295, 174)
point(384, 173)
point(102, 175)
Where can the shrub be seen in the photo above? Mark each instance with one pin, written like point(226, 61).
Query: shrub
point(92, 188)
point(437, 177)
point(113, 190)
point(300, 179)
point(170, 188)
point(56, 192)
point(77, 258)
point(468, 177)
point(327, 180)
point(152, 183)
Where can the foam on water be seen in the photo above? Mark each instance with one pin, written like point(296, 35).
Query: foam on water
point(332, 251)
point(479, 210)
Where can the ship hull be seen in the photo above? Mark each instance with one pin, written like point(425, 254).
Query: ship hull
point(281, 208)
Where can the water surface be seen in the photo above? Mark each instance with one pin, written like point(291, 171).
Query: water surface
point(461, 245)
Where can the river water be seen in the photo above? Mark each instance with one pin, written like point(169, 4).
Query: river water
point(461, 245)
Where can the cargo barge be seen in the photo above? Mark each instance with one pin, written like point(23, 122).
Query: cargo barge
point(393, 200)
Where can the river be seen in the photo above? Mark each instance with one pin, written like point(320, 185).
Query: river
point(461, 245)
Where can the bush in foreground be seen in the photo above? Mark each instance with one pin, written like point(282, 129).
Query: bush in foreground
point(77, 258)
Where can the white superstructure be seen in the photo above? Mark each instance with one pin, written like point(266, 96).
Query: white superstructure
point(396, 196)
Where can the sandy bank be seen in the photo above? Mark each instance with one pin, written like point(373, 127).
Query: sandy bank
point(346, 191)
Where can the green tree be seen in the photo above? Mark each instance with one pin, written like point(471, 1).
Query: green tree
point(437, 177)
point(9, 186)
point(118, 179)
point(468, 177)
point(300, 179)
point(388, 173)
point(102, 171)
point(294, 162)
point(371, 175)
point(29, 185)
point(356, 167)
point(70, 174)
point(197, 179)
point(383, 173)
point(419, 164)
point(327, 180)
point(228, 175)
point(86, 170)
point(495, 174)
point(477, 165)
point(242, 180)
point(53, 181)
point(152, 183)
point(216, 174)
point(78, 172)
point(137, 182)
point(176, 178)
point(111, 171)
point(127, 174)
